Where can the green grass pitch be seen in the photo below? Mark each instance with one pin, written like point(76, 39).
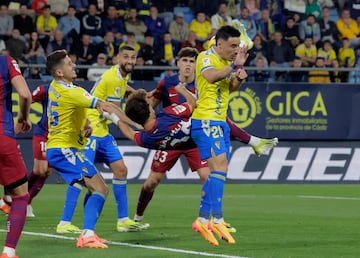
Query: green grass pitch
point(271, 220)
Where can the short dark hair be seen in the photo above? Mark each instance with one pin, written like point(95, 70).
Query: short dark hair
point(55, 59)
point(137, 108)
point(226, 32)
point(188, 52)
point(126, 47)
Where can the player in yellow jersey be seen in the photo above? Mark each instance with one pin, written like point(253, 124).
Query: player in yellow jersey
point(219, 71)
point(102, 147)
point(68, 132)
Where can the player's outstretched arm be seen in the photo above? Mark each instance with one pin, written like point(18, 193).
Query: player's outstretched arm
point(188, 95)
point(23, 121)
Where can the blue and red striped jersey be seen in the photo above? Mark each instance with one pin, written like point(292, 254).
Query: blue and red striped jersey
point(165, 91)
point(9, 69)
point(171, 130)
point(40, 94)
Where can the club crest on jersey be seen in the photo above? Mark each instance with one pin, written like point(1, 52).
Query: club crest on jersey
point(87, 95)
point(206, 61)
point(117, 91)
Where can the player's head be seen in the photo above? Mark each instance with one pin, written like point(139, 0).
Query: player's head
point(227, 42)
point(126, 59)
point(186, 61)
point(60, 66)
point(138, 108)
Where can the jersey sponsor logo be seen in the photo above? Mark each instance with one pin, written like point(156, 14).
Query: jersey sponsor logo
point(117, 91)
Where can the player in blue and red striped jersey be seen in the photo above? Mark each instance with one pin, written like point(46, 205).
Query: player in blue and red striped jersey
point(12, 167)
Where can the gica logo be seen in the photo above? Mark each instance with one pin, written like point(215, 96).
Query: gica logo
point(244, 106)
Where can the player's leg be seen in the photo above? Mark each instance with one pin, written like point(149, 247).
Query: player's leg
point(40, 172)
point(260, 145)
point(79, 171)
point(108, 152)
point(13, 177)
point(214, 148)
point(162, 162)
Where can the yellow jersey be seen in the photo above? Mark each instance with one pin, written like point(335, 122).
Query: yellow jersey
point(67, 115)
point(212, 98)
point(111, 86)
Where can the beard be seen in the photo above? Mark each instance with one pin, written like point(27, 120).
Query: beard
point(124, 68)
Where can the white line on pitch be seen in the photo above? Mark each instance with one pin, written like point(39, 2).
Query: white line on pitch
point(173, 250)
point(329, 197)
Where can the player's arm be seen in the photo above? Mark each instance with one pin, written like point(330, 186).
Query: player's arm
point(129, 90)
point(188, 95)
point(154, 96)
point(23, 121)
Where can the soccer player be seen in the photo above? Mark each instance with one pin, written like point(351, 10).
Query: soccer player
point(41, 169)
point(164, 160)
point(13, 175)
point(68, 133)
point(219, 71)
point(112, 86)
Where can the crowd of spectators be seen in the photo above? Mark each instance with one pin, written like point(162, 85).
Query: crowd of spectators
point(286, 33)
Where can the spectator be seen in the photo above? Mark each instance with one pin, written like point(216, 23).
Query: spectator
point(134, 24)
point(17, 48)
point(155, 25)
point(6, 23)
point(38, 5)
point(307, 52)
point(45, 26)
point(131, 41)
point(312, 7)
point(220, 18)
point(328, 29)
point(35, 53)
point(169, 50)
point(192, 42)
point(148, 52)
point(80, 7)
point(179, 29)
point(328, 53)
point(209, 7)
point(91, 24)
point(108, 46)
point(296, 75)
point(24, 23)
point(310, 28)
point(70, 25)
point(248, 22)
point(276, 11)
point(201, 27)
point(291, 32)
point(234, 8)
point(58, 43)
point(100, 6)
point(86, 53)
point(112, 22)
point(166, 10)
point(335, 76)
point(97, 68)
point(280, 54)
point(319, 76)
point(253, 7)
point(58, 7)
point(261, 74)
point(144, 8)
point(348, 28)
point(346, 58)
point(258, 49)
point(354, 7)
point(265, 26)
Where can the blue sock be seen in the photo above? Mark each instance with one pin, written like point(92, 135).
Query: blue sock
point(119, 189)
point(216, 188)
point(205, 202)
point(86, 197)
point(72, 196)
point(92, 210)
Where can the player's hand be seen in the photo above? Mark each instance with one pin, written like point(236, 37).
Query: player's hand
point(22, 126)
point(241, 74)
point(241, 56)
point(87, 131)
